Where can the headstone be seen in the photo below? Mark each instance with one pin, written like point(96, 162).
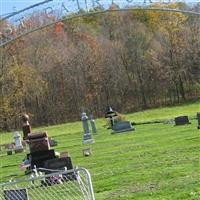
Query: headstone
point(110, 114)
point(58, 163)
point(123, 126)
point(18, 194)
point(18, 143)
point(93, 125)
point(198, 119)
point(38, 142)
point(181, 120)
point(9, 148)
point(9, 152)
point(39, 157)
point(25, 126)
point(87, 138)
point(52, 142)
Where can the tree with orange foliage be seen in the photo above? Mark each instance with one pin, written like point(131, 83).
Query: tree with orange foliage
point(59, 29)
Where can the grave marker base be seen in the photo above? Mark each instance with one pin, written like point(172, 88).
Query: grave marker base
point(90, 141)
point(87, 139)
point(19, 150)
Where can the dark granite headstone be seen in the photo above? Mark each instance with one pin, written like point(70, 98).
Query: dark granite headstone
point(9, 152)
point(26, 130)
point(182, 120)
point(58, 163)
point(39, 157)
point(18, 194)
point(198, 119)
point(9, 148)
point(123, 126)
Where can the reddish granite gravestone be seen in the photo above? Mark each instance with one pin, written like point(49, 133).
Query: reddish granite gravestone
point(38, 142)
point(26, 128)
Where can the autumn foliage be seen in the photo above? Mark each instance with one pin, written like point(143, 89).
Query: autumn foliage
point(130, 60)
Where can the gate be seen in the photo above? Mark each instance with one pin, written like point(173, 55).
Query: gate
point(73, 184)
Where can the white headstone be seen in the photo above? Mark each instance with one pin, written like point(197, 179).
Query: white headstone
point(17, 139)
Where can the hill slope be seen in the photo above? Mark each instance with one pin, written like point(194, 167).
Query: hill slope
point(156, 161)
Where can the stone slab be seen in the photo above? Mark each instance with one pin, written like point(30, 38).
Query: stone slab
point(120, 127)
point(89, 141)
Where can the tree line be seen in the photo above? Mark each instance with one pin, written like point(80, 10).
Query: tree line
point(130, 60)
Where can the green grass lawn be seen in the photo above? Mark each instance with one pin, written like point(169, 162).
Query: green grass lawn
point(156, 161)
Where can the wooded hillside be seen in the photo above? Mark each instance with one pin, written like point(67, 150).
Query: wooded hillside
point(130, 60)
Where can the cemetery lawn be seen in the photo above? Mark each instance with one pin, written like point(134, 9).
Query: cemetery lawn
point(157, 161)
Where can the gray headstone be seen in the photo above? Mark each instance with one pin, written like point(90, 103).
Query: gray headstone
point(123, 126)
point(18, 142)
point(9, 148)
point(93, 125)
point(87, 138)
point(18, 194)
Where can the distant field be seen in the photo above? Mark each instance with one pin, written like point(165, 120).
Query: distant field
point(156, 161)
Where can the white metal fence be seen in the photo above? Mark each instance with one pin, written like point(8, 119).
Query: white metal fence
point(73, 184)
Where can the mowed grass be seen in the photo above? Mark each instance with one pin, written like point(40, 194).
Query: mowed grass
point(156, 161)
